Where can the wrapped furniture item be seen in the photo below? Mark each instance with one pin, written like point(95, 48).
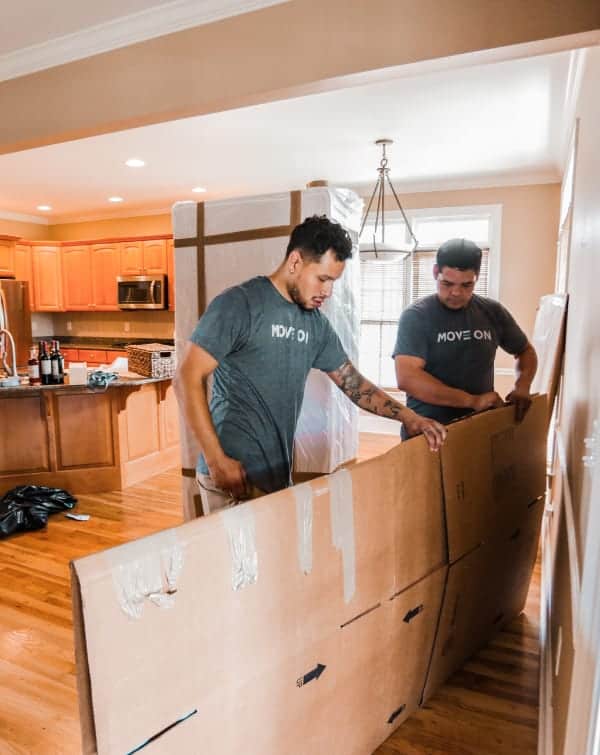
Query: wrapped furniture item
point(221, 244)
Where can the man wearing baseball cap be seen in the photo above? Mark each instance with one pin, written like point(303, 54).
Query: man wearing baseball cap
point(447, 342)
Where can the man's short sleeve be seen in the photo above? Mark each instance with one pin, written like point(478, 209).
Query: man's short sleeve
point(512, 339)
point(331, 355)
point(225, 325)
point(411, 339)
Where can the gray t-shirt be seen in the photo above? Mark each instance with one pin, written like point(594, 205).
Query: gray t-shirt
point(265, 347)
point(458, 346)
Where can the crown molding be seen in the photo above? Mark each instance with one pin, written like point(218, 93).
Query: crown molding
point(20, 218)
point(155, 22)
point(465, 183)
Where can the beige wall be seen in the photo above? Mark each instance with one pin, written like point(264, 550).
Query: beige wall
point(528, 244)
point(142, 225)
point(30, 231)
point(290, 49)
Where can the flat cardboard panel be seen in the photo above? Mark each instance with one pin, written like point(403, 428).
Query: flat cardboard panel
point(236, 655)
point(417, 512)
point(549, 342)
point(485, 590)
point(492, 470)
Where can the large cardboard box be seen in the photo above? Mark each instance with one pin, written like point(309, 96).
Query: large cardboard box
point(305, 621)
point(492, 470)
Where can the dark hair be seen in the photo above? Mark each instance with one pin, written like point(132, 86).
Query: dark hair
point(316, 235)
point(460, 253)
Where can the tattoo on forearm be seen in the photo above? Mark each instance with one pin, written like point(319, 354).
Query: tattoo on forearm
point(363, 393)
point(351, 381)
point(393, 408)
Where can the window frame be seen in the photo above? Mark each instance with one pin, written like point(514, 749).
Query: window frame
point(491, 212)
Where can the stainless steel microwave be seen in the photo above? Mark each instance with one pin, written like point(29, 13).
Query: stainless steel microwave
point(142, 291)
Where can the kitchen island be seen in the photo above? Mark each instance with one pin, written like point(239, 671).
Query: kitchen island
point(88, 441)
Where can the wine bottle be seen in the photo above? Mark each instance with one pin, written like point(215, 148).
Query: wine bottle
point(33, 367)
point(57, 364)
point(45, 365)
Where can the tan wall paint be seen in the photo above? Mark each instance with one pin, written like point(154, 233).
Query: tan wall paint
point(30, 231)
point(142, 225)
point(528, 253)
point(278, 52)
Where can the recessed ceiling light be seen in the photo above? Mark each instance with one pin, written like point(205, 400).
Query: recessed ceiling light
point(135, 162)
point(199, 189)
point(115, 199)
point(44, 207)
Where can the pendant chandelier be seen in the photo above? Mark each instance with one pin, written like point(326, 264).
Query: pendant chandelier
point(376, 247)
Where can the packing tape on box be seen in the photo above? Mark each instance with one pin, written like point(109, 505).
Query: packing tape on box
point(303, 494)
point(342, 526)
point(240, 525)
point(146, 570)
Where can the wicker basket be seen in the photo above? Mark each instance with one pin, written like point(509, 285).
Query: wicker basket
point(154, 360)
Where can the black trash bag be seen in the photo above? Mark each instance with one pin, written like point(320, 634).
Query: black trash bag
point(27, 507)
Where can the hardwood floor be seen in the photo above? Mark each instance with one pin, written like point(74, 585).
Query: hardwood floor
point(488, 708)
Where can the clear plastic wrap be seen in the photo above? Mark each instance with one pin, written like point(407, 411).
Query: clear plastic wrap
point(341, 502)
point(327, 431)
point(147, 570)
point(303, 495)
point(241, 531)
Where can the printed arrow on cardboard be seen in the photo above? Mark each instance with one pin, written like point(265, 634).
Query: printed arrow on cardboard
point(314, 674)
point(410, 615)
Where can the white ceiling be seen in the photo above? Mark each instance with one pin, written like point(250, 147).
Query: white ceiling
point(483, 125)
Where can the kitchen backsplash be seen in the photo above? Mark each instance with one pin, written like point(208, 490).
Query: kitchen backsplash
point(135, 324)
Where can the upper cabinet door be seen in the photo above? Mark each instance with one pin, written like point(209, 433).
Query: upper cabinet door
point(47, 279)
point(132, 258)
point(7, 258)
point(24, 268)
point(155, 257)
point(105, 269)
point(171, 274)
point(77, 278)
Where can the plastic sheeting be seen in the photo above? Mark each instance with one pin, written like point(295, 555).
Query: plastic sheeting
point(27, 507)
point(327, 432)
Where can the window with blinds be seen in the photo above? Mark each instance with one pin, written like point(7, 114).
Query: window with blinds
point(389, 287)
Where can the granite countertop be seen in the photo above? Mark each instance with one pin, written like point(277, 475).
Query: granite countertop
point(33, 390)
point(115, 342)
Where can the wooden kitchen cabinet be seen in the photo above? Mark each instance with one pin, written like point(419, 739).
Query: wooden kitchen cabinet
point(132, 258)
point(105, 259)
point(144, 257)
point(111, 355)
point(47, 278)
point(24, 268)
point(7, 257)
point(69, 355)
point(77, 278)
point(155, 257)
point(93, 357)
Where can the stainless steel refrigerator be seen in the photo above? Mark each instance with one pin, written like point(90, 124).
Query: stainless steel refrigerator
point(15, 316)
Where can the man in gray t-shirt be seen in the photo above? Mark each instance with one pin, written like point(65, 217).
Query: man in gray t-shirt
point(447, 343)
point(259, 340)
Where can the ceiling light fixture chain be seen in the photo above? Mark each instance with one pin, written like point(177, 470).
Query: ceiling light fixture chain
point(381, 251)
